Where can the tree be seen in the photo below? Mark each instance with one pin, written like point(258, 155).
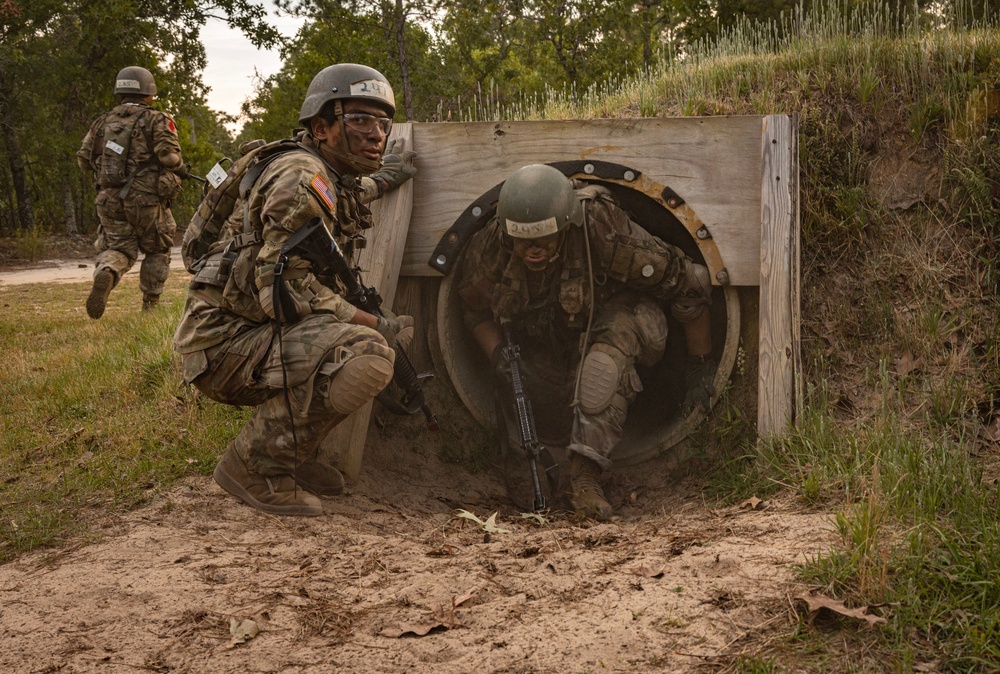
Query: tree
point(57, 64)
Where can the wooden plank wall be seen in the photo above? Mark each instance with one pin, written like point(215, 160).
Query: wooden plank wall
point(779, 366)
point(380, 262)
point(713, 163)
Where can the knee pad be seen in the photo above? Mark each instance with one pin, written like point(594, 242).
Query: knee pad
point(355, 378)
point(602, 370)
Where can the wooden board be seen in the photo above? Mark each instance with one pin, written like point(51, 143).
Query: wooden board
point(779, 362)
point(380, 262)
point(713, 163)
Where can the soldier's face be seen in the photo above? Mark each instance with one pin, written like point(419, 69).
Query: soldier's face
point(537, 253)
point(368, 143)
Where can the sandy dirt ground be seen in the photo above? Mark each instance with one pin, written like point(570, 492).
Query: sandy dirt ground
point(394, 579)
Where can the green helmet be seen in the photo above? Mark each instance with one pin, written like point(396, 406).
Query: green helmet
point(135, 80)
point(537, 200)
point(342, 81)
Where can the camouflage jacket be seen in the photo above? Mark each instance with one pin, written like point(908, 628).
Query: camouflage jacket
point(153, 153)
point(294, 188)
point(552, 307)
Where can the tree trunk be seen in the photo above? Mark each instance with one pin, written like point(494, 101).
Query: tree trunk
point(15, 159)
point(69, 208)
point(399, 26)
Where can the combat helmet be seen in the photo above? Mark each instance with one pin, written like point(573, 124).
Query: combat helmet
point(346, 80)
point(135, 80)
point(343, 81)
point(537, 200)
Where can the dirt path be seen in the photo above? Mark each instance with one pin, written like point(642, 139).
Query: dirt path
point(68, 271)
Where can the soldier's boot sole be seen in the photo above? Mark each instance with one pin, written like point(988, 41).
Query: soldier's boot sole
point(274, 495)
point(97, 301)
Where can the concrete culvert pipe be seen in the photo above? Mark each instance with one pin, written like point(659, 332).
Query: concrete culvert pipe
point(655, 422)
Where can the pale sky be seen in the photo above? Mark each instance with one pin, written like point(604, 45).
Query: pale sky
point(232, 61)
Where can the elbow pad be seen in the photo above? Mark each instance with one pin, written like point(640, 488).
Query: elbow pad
point(171, 160)
point(694, 293)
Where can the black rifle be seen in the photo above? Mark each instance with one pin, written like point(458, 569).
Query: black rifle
point(320, 248)
point(525, 416)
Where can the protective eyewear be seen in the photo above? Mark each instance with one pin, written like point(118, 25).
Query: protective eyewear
point(362, 121)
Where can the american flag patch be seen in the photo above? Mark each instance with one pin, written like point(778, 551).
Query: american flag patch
point(323, 191)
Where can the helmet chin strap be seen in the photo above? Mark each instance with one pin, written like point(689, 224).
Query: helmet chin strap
point(360, 165)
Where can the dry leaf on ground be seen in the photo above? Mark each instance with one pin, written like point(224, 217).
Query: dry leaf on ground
point(818, 602)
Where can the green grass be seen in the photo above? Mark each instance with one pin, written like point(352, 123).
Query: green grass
point(94, 417)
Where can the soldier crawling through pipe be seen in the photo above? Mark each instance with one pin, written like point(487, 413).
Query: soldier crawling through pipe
point(580, 288)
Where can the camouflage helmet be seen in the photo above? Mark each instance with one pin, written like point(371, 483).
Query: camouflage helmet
point(537, 200)
point(135, 80)
point(346, 80)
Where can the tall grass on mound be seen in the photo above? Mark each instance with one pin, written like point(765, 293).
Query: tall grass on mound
point(919, 530)
point(93, 415)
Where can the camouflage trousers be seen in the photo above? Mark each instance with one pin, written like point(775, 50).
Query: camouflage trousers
point(635, 327)
point(140, 222)
point(252, 369)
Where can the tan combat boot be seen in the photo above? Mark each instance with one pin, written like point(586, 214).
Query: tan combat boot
point(276, 494)
point(587, 498)
point(104, 281)
point(150, 301)
point(320, 478)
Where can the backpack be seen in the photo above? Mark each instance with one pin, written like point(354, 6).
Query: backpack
point(112, 162)
point(217, 205)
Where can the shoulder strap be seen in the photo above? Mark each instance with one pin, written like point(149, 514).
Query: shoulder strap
point(250, 179)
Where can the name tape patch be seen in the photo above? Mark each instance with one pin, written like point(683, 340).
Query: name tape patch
point(216, 175)
point(113, 146)
point(532, 230)
point(127, 84)
point(375, 88)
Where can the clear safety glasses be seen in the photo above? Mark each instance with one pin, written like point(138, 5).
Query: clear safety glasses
point(365, 123)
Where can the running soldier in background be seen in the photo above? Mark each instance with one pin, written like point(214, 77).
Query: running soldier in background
point(135, 157)
point(317, 359)
point(582, 287)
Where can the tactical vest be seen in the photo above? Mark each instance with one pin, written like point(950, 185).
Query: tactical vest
point(116, 140)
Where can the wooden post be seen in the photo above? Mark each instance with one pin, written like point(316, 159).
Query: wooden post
point(379, 261)
point(780, 361)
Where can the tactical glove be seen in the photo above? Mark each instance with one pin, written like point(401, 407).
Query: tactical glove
point(390, 326)
point(700, 389)
point(397, 166)
point(501, 370)
point(183, 171)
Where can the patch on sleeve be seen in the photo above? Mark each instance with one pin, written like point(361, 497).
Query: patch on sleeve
point(171, 125)
point(323, 191)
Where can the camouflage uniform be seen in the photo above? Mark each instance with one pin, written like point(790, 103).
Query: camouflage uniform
point(635, 273)
point(228, 339)
point(137, 217)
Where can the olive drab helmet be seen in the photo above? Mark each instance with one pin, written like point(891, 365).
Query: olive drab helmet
point(135, 80)
point(537, 200)
point(344, 81)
